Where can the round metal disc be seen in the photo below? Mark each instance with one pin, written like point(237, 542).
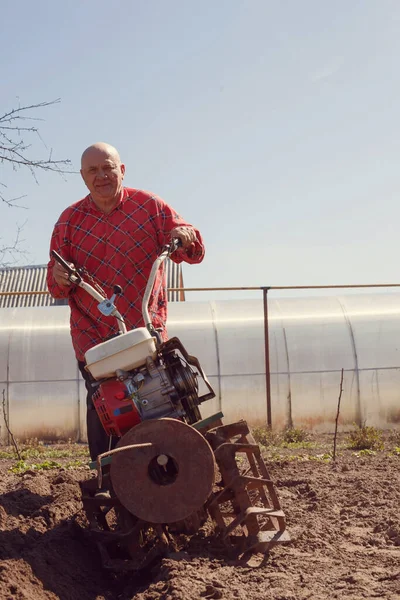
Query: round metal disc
point(166, 489)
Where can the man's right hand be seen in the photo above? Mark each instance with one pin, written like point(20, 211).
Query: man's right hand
point(60, 276)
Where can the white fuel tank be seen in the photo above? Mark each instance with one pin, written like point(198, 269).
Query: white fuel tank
point(126, 351)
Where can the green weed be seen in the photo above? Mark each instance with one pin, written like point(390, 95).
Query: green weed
point(365, 452)
point(21, 466)
point(366, 438)
point(37, 451)
point(266, 437)
point(289, 438)
point(5, 454)
point(72, 464)
point(327, 457)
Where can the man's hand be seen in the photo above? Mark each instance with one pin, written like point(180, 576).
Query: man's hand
point(186, 234)
point(60, 276)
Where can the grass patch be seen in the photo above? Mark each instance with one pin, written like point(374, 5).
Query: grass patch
point(365, 452)
point(280, 458)
point(53, 453)
point(48, 452)
point(266, 437)
point(73, 464)
point(326, 457)
point(37, 456)
point(22, 467)
point(294, 435)
point(288, 438)
point(366, 438)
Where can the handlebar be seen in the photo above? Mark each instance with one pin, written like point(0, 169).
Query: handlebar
point(105, 305)
point(166, 252)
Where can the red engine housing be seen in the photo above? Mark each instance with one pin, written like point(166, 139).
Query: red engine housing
point(117, 412)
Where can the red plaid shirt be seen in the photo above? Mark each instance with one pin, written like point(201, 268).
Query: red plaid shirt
point(118, 248)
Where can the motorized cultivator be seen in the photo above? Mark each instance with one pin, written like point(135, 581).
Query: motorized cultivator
point(171, 470)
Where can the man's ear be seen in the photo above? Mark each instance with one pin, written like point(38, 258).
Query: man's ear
point(123, 170)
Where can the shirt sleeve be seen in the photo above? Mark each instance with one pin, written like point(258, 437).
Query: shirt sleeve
point(59, 244)
point(167, 220)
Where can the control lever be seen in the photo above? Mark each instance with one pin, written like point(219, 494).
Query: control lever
point(73, 275)
point(107, 307)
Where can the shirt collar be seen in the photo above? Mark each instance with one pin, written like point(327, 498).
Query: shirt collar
point(89, 203)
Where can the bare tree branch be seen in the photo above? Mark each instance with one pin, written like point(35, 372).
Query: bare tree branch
point(15, 113)
point(17, 152)
point(7, 424)
point(10, 253)
point(337, 417)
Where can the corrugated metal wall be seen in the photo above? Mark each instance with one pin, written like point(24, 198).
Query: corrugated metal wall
point(33, 279)
point(25, 279)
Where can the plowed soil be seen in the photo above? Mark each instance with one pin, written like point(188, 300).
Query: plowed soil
point(344, 521)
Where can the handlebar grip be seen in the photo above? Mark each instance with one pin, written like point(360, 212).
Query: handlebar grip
point(71, 271)
point(175, 243)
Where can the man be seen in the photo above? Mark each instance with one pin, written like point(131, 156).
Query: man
point(115, 234)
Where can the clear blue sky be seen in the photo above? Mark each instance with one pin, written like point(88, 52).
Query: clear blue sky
point(273, 126)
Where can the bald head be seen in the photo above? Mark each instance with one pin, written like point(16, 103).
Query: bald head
point(103, 172)
point(98, 150)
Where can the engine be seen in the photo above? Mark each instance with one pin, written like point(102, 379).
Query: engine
point(166, 385)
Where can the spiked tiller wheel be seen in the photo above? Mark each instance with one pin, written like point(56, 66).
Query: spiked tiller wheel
point(247, 510)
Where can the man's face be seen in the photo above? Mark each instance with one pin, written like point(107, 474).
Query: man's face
point(102, 173)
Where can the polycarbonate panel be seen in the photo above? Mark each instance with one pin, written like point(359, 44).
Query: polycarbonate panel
point(6, 330)
point(40, 347)
point(210, 407)
point(319, 344)
point(280, 400)
point(311, 339)
point(44, 410)
point(317, 334)
point(315, 398)
point(381, 407)
point(192, 323)
point(279, 368)
point(244, 398)
point(82, 410)
point(3, 429)
point(375, 323)
point(240, 330)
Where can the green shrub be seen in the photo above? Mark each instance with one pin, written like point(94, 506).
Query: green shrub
point(366, 438)
point(295, 436)
point(266, 437)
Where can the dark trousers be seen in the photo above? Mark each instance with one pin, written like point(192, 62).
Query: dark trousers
point(98, 440)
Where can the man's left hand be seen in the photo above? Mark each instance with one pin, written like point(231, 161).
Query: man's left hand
point(186, 234)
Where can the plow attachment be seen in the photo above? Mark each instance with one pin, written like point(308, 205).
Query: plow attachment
point(166, 477)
